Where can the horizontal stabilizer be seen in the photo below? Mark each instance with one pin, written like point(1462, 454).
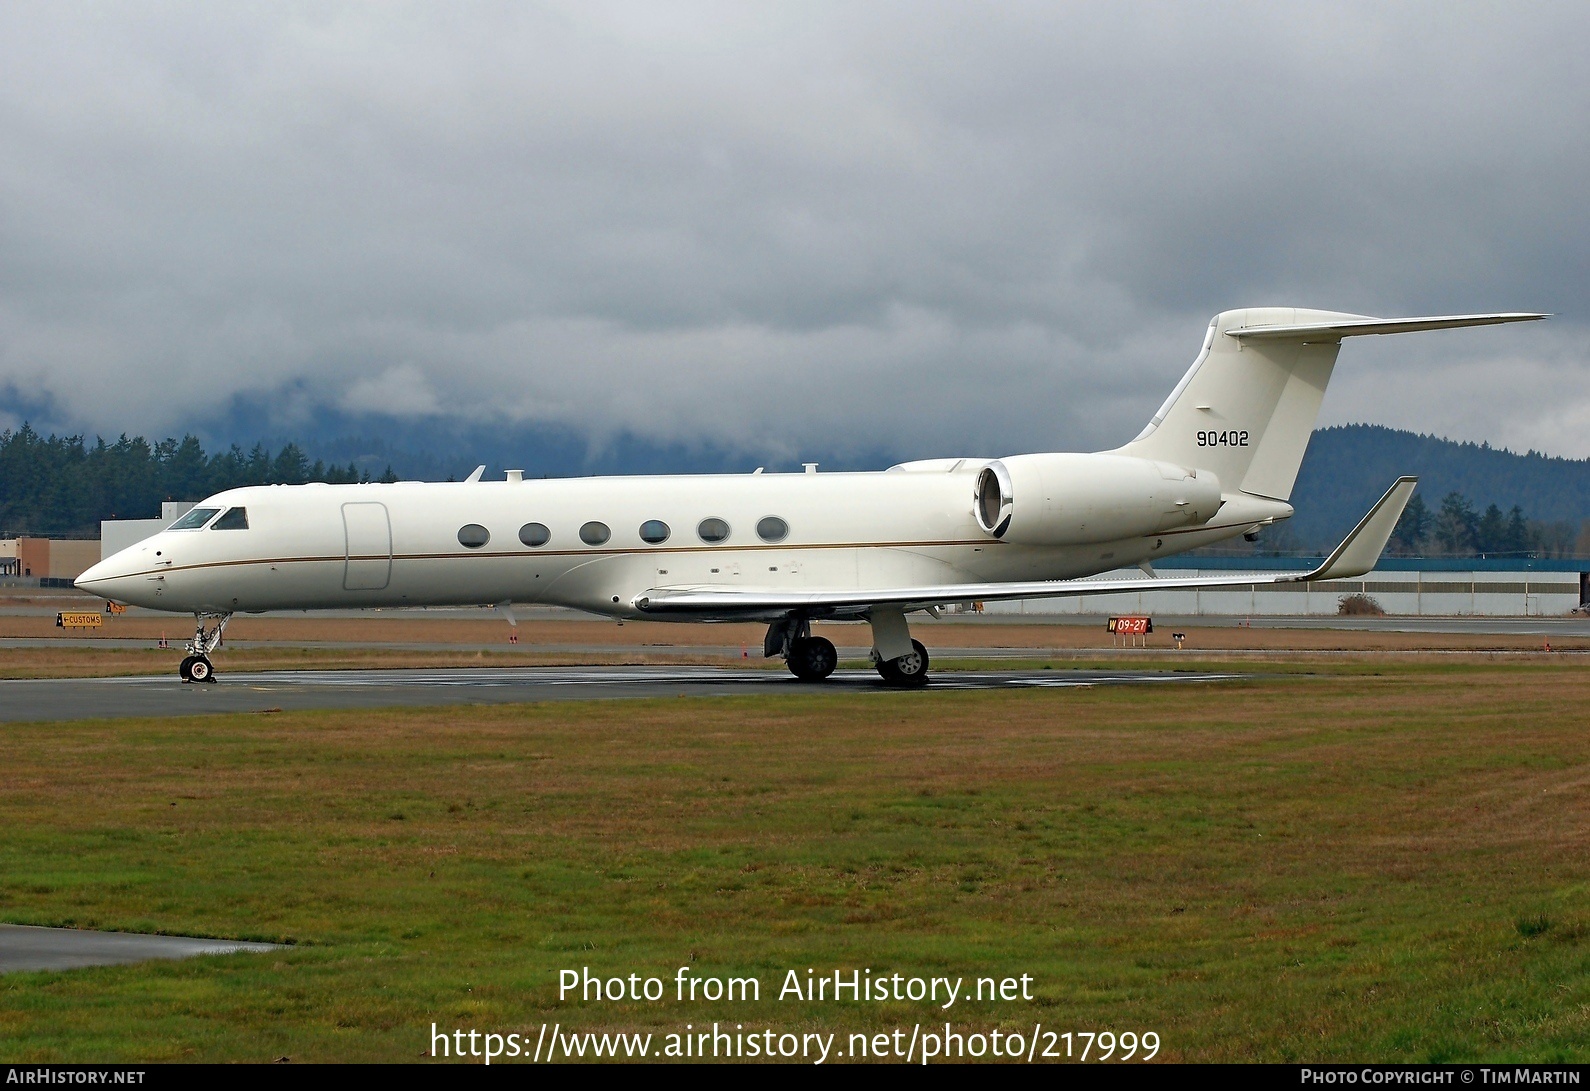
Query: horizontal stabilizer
point(1360, 550)
point(1358, 325)
point(1357, 554)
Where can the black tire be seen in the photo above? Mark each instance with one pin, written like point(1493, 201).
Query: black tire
point(812, 659)
point(907, 672)
point(201, 670)
point(186, 668)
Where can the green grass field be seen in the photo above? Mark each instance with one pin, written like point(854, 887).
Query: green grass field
point(1382, 862)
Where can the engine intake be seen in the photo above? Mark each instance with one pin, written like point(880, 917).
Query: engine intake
point(994, 499)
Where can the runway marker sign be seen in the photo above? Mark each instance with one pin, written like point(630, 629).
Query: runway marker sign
point(1131, 628)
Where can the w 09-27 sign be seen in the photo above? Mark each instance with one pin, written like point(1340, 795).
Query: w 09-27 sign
point(1131, 626)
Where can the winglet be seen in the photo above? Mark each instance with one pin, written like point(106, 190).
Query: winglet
point(1360, 551)
point(476, 475)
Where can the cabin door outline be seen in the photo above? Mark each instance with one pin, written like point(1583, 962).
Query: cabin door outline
point(367, 537)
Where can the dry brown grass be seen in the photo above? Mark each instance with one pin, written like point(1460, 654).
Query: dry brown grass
point(378, 629)
point(376, 641)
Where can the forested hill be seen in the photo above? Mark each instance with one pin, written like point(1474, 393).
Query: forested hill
point(62, 486)
point(1349, 466)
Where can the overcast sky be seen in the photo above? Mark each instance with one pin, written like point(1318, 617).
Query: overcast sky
point(911, 227)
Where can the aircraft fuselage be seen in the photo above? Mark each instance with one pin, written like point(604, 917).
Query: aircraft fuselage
point(393, 545)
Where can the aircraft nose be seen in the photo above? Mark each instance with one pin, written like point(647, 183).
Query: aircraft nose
point(102, 579)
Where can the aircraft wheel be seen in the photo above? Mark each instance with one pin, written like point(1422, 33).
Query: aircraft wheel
point(186, 668)
point(200, 670)
point(812, 658)
point(907, 671)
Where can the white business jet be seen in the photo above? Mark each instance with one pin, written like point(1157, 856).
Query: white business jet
point(1218, 460)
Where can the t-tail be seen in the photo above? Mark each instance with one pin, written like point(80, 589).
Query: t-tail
point(1247, 406)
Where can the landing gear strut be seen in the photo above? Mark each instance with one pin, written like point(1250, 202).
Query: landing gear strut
point(196, 666)
point(809, 658)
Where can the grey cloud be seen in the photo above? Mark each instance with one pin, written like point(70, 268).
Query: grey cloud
point(915, 227)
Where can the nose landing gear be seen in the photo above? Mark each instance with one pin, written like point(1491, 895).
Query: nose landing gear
point(196, 666)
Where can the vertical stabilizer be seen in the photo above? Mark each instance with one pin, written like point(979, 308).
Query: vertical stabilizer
point(1247, 406)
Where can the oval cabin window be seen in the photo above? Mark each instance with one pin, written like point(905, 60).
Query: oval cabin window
point(594, 533)
point(772, 529)
point(473, 536)
point(713, 530)
point(654, 532)
point(535, 534)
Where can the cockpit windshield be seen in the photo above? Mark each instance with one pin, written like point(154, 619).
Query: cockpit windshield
point(194, 519)
point(234, 519)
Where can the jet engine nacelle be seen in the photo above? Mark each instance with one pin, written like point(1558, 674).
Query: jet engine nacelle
point(1061, 499)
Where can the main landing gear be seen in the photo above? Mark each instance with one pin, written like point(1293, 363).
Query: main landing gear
point(811, 658)
point(196, 666)
point(900, 661)
point(908, 671)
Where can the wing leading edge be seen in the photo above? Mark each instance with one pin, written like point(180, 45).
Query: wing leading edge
point(1357, 554)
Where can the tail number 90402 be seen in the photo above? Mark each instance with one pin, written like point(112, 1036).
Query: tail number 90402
point(1232, 438)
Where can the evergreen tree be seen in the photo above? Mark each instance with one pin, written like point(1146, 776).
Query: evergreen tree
point(1490, 532)
point(1408, 538)
point(186, 473)
point(1454, 525)
point(257, 469)
point(1518, 540)
point(227, 470)
point(290, 466)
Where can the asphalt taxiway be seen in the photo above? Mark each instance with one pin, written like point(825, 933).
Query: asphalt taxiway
point(26, 700)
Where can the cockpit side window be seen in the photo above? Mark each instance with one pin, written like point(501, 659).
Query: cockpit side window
point(234, 519)
point(194, 519)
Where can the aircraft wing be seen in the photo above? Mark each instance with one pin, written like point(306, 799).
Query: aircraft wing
point(1357, 554)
